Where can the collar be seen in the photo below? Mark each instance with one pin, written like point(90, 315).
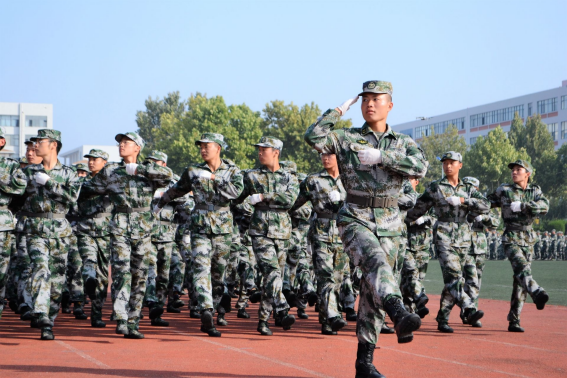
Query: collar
point(516, 186)
point(444, 181)
point(265, 169)
point(389, 132)
point(204, 165)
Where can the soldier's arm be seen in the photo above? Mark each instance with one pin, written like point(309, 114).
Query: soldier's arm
point(284, 199)
point(408, 162)
point(97, 185)
point(181, 187)
point(66, 192)
point(494, 198)
point(422, 205)
point(477, 203)
point(538, 206)
point(408, 198)
point(230, 185)
point(303, 197)
point(160, 176)
point(319, 135)
point(246, 190)
point(13, 180)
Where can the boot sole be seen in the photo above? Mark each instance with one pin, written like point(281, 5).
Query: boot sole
point(405, 328)
point(540, 304)
point(287, 322)
point(337, 326)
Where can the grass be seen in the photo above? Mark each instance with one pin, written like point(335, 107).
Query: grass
point(497, 280)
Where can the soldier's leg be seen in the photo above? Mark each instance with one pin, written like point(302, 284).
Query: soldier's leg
point(305, 287)
point(74, 273)
point(371, 317)
point(88, 251)
point(176, 278)
point(470, 274)
point(165, 251)
point(139, 262)
point(480, 261)
point(12, 275)
point(521, 257)
point(231, 274)
point(150, 296)
point(202, 250)
point(59, 250)
point(24, 284)
point(247, 275)
point(6, 247)
point(101, 271)
point(347, 295)
point(219, 261)
point(324, 273)
point(38, 249)
point(121, 250)
point(410, 273)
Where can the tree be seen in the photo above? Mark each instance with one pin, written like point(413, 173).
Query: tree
point(435, 145)
point(488, 159)
point(517, 133)
point(150, 119)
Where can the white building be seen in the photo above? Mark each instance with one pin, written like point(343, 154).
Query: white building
point(20, 122)
point(479, 120)
point(76, 155)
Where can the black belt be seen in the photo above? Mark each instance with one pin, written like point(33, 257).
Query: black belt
point(129, 210)
point(518, 228)
point(383, 202)
point(42, 215)
point(72, 218)
point(211, 208)
point(268, 208)
point(454, 219)
point(327, 216)
point(416, 229)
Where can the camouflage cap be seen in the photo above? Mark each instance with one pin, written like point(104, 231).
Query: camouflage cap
point(96, 153)
point(28, 142)
point(452, 155)
point(24, 160)
point(47, 134)
point(290, 165)
point(522, 163)
point(81, 167)
point(471, 180)
point(212, 138)
point(131, 135)
point(377, 86)
point(268, 141)
point(158, 155)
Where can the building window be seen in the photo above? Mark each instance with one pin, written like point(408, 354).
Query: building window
point(552, 128)
point(497, 116)
point(473, 140)
point(530, 109)
point(9, 120)
point(36, 121)
point(563, 102)
point(12, 139)
point(563, 129)
point(547, 106)
point(422, 131)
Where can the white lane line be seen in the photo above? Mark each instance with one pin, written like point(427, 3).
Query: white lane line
point(84, 355)
point(255, 355)
point(521, 346)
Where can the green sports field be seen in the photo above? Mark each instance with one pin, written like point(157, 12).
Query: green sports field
point(497, 280)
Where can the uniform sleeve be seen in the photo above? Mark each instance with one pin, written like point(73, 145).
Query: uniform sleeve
point(230, 184)
point(66, 193)
point(408, 198)
point(287, 198)
point(320, 136)
point(538, 206)
point(12, 180)
point(303, 197)
point(491, 220)
point(494, 198)
point(160, 176)
point(477, 203)
point(181, 188)
point(422, 205)
point(246, 190)
point(97, 185)
point(408, 162)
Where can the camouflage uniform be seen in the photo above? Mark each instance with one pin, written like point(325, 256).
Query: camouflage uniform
point(130, 228)
point(369, 221)
point(419, 243)
point(537, 246)
point(11, 183)
point(184, 279)
point(452, 238)
point(545, 246)
point(552, 251)
point(247, 262)
point(519, 238)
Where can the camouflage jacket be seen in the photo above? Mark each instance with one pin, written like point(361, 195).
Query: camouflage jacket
point(226, 186)
point(315, 189)
point(89, 208)
point(57, 196)
point(479, 240)
point(407, 200)
point(182, 216)
point(164, 232)
point(242, 216)
point(280, 190)
point(451, 227)
point(11, 183)
point(129, 191)
point(534, 205)
point(401, 157)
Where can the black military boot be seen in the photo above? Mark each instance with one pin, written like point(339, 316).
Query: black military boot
point(159, 322)
point(337, 323)
point(47, 333)
point(97, 323)
point(286, 320)
point(515, 327)
point(133, 333)
point(207, 325)
point(172, 309)
point(26, 313)
point(301, 314)
point(43, 321)
point(350, 314)
point(242, 314)
point(256, 296)
point(541, 299)
point(472, 315)
point(155, 310)
point(327, 330)
point(13, 306)
point(386, 329)
point(194, 314)
point(121, 327)
point(404, 322)
point(444, 327)
point(65, 304)
point(79, 312)
point(420, 303)
point(264, 329)
point(231, 292)
point(177, 302)
point(225, 302)
point(363, 364)
point(312, 299)
point(221, 321)
point(90, 287)
point(34, 323)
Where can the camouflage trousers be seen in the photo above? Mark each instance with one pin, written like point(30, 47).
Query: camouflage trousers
point(74, 277)
point(479, 262)
point(7, 246)
point(24, 271)
point(95, 253)
point(410, 284)
point(537, 250)
point(11, 275)
point(331, 268)
point(184, 246)
point(271, 256)
point(456, 262)
point(130, 259)
point(247, 274)
point(176, 274)
point(231, 277)
point(378, 258)
point(298, 267)
point(48, 265)
point(158, 272)
point(209, 254)
point(521, 259)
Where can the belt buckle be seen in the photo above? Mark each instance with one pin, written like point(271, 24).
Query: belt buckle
point(210, 207)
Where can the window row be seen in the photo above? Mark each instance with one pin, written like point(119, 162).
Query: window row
point(439, 127)
point(9, 120)
point(495, 116)
point(563, 102)
point(547, 106)
point(31, 121)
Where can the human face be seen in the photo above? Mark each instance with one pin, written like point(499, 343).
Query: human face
point(451, 167)
point(31, 155)
point(268, 155)
point(82, 173)
point(519, 174)
point(127, 147)
point(414, 182)
point(209, 151)
point(96, 164)
point(375, 107)
point(43, 147)
point(161, 163)
point(329, 160)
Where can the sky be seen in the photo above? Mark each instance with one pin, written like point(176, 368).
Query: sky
point(98, 61)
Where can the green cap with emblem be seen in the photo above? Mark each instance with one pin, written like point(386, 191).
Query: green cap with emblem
point(452, 155)
point(268, 141)
point(158, 155)
point(132, 135)
point(47, 134)
point(471, 180)
point(522, 163)
point(377, 86)
point(96, 153)
point(81, 167)
point(212, 138)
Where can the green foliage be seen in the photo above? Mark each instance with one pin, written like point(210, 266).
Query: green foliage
point(150, 119)
point(488, 159)
point(435, 145)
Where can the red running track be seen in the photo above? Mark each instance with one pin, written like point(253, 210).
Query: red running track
point(181, 350)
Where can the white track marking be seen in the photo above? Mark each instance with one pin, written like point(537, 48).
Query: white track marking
point(83, 354)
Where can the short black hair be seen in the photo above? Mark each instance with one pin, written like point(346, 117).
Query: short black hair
point(59, 144)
